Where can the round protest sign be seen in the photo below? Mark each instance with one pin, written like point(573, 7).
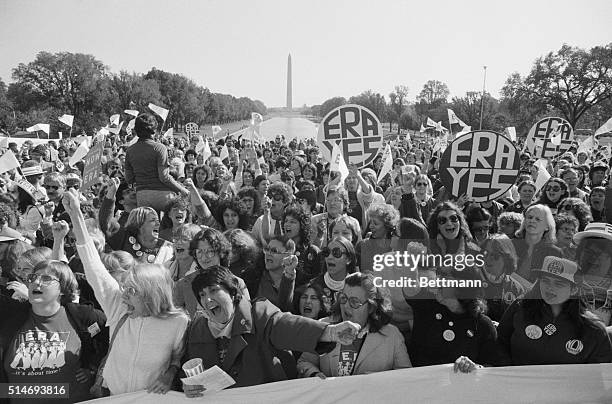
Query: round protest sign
point(482, 165)
point(549, 137)
point(355, 129)
point(192, 129)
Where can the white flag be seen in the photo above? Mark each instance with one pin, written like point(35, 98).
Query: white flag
point(132, 112)
point(101, 134)
point(422, 129)
point(130, 126)
point(256, 119)
point(543, 174)
point(79, 154)
point(555, 135)
point(216, 129)
point(588, 145)
point(605, 128)
point(387, 163)
point(440, 128)
point(169, 134)
point(206, 153)
point(511, 132)
point(114, 119)
point(453, 118)
point(39, 126)
point(162, 112)
point(431, 122)
point(224, 154)
point(338, 164)
point(61, 135)
point(8, 161)
point(117, 129)
point(66, 119)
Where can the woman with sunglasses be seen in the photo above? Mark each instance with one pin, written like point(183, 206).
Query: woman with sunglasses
point(208, 248)
point(419, 197)
point(526, 192)
point(577, 208)
point(140, 236)
point(554, 191)
point(339, 260)
point(500, 261)
point(534, 240)
point(378, 347)
point(149, 329)
point(49, 315)
point(551, 324)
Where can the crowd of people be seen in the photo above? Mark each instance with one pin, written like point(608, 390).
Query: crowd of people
point(263, 264)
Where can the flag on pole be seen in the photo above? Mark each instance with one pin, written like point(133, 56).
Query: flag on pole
point(61, 135)
point(224, 154)
point(543, 174)
point(453, 118)
point(256, 119)
point(39, 126)
point(162, 112)
point(169, 134)
point(132, 112)
point(206, 153)
point(555, 136)
point(215, 130)
point(588, 145)
point(605, 128)
point(387, 163)
point(114, 119)
point(66, 119)
point(422, 129)
point(4, 142)
point(79, 154)
point(338, 164)
point(440, 128)
point(431, 122)
point(130, 126)
point(101, 134)
point(117, 129)
point(510, 133)
point(8, 161)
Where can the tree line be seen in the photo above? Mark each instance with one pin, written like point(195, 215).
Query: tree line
point(573, 83)
point(80, 85)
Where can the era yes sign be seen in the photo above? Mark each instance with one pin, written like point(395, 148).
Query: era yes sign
point(357, 131)
point(483, 165)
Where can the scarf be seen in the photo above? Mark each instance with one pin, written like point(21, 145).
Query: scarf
point(219, 329)
point(332, 284)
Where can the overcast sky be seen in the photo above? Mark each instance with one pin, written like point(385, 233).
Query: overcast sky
point(339, 48)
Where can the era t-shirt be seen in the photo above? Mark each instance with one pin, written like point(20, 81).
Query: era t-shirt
point(46, 350)
point(348, 357)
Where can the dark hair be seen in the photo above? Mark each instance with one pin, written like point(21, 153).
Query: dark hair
point(311, 167)
point(259, 179)
point(235, 205)
point(580, 209)
point(25, 200)
point(432, 225)
point(217, 241)
point(179, 203)
point(350, 252)
point(252, 193)
point(574, 308)
point(145, 125)
point(303, 217)
point(477, 214)
point(504, 247)
point(190, 152)
point(380, 298)
point(562, 219)
point(282, 189)
point(206, 169)
point(544, 198)
point(318, 290)
point(216, 275)
point(244, 245)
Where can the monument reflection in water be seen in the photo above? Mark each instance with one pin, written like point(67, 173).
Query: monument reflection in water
point(291, 127)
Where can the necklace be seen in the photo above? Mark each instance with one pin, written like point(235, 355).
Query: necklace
point(140, 250)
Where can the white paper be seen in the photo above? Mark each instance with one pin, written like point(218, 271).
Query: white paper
point(213, 379)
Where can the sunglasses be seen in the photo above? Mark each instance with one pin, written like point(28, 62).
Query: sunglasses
point(553, 189)
point(453, 219)
point(274, 252)
point(337, 252)
point(569, 207)
point(421, 184)
point(352, 301)
point(74, 186)
point(53, 187)
point(277, 197)
point(205, 253)
point(42, 278)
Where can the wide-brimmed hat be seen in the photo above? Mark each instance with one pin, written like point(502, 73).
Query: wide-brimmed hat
point(559, 268)
point(594, 230)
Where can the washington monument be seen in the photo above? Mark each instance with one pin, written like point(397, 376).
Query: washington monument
point(289, 89)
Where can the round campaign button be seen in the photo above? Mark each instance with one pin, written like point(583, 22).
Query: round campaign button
point(448, 335)
point(533, 331)
point(438, 316)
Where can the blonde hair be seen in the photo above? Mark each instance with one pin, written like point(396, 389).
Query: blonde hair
point(551, 233)
point(154, 284)
point(137, 218)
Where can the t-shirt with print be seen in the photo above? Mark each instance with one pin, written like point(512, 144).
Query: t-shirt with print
point(348, 357)
point(46, 350)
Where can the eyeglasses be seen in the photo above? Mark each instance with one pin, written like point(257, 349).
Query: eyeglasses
point(453, 219)
point(352, 301)
point(277, 197)
point(74, 186)
point(553, 189)
point(205, 253)
point(41, 278)
point(337, 252)
point(421, 184)
point(274, 252)
point(569, 207)
point(53, 187)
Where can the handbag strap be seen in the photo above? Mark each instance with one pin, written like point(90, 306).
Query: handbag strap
point(119, 324)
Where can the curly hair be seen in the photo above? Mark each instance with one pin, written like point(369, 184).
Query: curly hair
point(235, 205)
point(379, 298)
point(282, 189)
point(217, 242)
point(579, 208)
point(432, 225)
point(244, 245)
point(178, 203)
point(251, 193)
point(303, 217)
point(387, 213)
point(318, 289)
point(351, 223)
point(544, 197)
point(217, 275)
point(194, 177)
point(502, 245)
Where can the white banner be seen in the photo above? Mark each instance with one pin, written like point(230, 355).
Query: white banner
point(433, 384)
